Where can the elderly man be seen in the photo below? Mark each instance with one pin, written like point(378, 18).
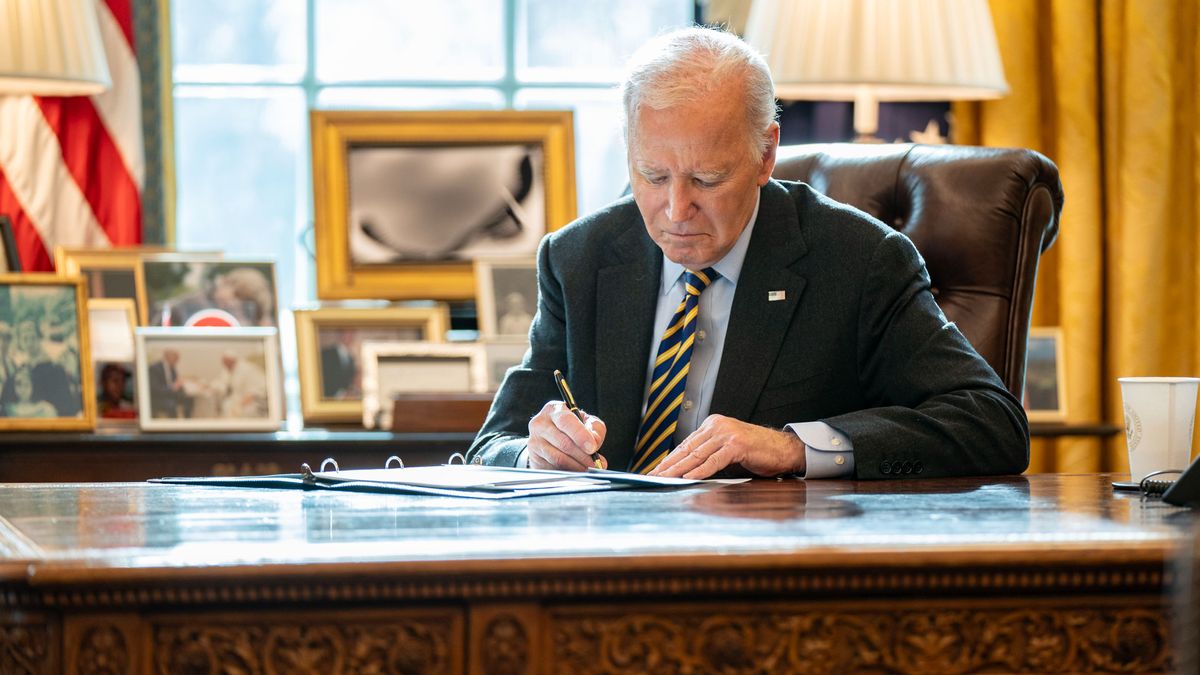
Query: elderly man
point(720, 319)
point(241, 387)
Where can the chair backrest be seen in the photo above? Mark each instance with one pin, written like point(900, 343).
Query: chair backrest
point(980, 217)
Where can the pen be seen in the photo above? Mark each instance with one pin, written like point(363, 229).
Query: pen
point(570, 401)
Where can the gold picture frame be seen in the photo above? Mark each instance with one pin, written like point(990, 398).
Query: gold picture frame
point(1045, 396)
point(316, 403)
point(84, 262)
point(441, 270)
point(47, 362)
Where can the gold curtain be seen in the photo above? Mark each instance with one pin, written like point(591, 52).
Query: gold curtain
point(1108, 90)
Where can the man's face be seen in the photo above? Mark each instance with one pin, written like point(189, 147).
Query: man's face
point(694, 178)
point(171, 357)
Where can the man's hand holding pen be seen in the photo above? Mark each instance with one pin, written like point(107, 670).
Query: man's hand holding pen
point(558, 439)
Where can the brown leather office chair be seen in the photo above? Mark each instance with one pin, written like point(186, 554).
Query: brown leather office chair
point(981, 218)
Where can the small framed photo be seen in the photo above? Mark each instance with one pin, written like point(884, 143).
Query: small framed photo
point(45, 357)
point(189, 291)
point(10, 259)
point(328, 346)
point(108, 273)
point(391, 368)
point(506, 296)
point(1045, 376)
point(502, 355)
point(111, 323)
point(405, 200)
point(200, 379)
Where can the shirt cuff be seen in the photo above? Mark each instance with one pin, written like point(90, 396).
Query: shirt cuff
point(828, 453)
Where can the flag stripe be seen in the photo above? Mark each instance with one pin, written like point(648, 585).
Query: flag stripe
point(122, 12)
point(29, 245)
point(36, 175)
point(72, 169)
point(93, 160)
point(120, 107)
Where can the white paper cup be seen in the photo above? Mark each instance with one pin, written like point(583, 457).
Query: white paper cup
point(1159, 413)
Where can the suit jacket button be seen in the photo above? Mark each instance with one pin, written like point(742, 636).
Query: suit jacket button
point(885, 467)
point(917, 467)
point(907, 467)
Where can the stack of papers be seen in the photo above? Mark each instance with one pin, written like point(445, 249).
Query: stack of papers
point(451, 480)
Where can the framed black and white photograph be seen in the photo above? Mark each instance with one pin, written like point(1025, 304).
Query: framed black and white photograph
point(406, 200)
point(506, 296)
point(487, 199)
point(502, 355)
point(193, 292)
point(203, 379)
point(45, 360)
point(391, 368)
point(1045, 376)
point(111, 324)
point(328, 345)
point(10, 259)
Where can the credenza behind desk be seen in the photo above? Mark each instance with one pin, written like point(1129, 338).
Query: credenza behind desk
point(125, 454)
point(1040, 573)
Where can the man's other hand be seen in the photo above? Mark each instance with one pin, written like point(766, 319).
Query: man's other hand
point(723, 441)
point(558, 440)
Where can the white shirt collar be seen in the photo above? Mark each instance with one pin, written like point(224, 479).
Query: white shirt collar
point(730, 266)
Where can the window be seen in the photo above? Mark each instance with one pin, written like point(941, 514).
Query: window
point(247, 71)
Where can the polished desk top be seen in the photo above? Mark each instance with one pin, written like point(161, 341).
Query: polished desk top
point(54, 533)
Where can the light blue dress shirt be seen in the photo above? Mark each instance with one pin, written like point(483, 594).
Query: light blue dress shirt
point(828, 453)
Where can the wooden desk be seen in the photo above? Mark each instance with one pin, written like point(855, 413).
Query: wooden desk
point(1045, 573)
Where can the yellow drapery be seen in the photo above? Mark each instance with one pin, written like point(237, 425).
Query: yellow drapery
point(1107, 89)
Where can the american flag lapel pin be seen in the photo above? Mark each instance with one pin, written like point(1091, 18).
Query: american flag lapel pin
point(776, 296)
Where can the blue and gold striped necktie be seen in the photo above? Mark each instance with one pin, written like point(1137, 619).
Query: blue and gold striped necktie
point(656, 436)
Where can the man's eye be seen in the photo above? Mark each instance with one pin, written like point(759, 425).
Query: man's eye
point(656, 180)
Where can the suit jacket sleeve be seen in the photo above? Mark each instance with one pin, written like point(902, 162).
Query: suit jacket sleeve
point(944, 411)
point(527, 388)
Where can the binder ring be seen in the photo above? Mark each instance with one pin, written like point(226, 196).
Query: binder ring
point(388, 463)
point(462, 459)
point(327, 461)
point(1155, 488)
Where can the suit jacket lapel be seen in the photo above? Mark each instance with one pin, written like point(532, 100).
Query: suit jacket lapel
point(757, 324)
point(626, 297)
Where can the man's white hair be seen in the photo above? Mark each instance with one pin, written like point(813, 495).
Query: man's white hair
point(691, 65)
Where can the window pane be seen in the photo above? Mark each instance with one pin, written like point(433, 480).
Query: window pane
point(587, 41)
point(241, 159)
point(238, 40)
point(600, 172)
point(360, 40)
point(396, 98)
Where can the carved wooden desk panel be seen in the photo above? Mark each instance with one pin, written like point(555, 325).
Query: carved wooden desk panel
point(1045, 573)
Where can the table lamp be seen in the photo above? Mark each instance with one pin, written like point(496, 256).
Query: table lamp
point(51, 48)
point(867, 51)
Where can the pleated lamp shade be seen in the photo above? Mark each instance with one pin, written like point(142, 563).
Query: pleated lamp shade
point(51, 48)
point(878, 50)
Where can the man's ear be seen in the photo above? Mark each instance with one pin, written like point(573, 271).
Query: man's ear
point(768, 156)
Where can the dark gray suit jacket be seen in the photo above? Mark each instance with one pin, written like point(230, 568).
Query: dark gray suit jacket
point(859, 342)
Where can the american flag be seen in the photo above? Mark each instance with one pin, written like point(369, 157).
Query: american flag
point(72, 168)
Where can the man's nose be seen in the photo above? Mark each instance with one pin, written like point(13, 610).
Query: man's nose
point(680, 204)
